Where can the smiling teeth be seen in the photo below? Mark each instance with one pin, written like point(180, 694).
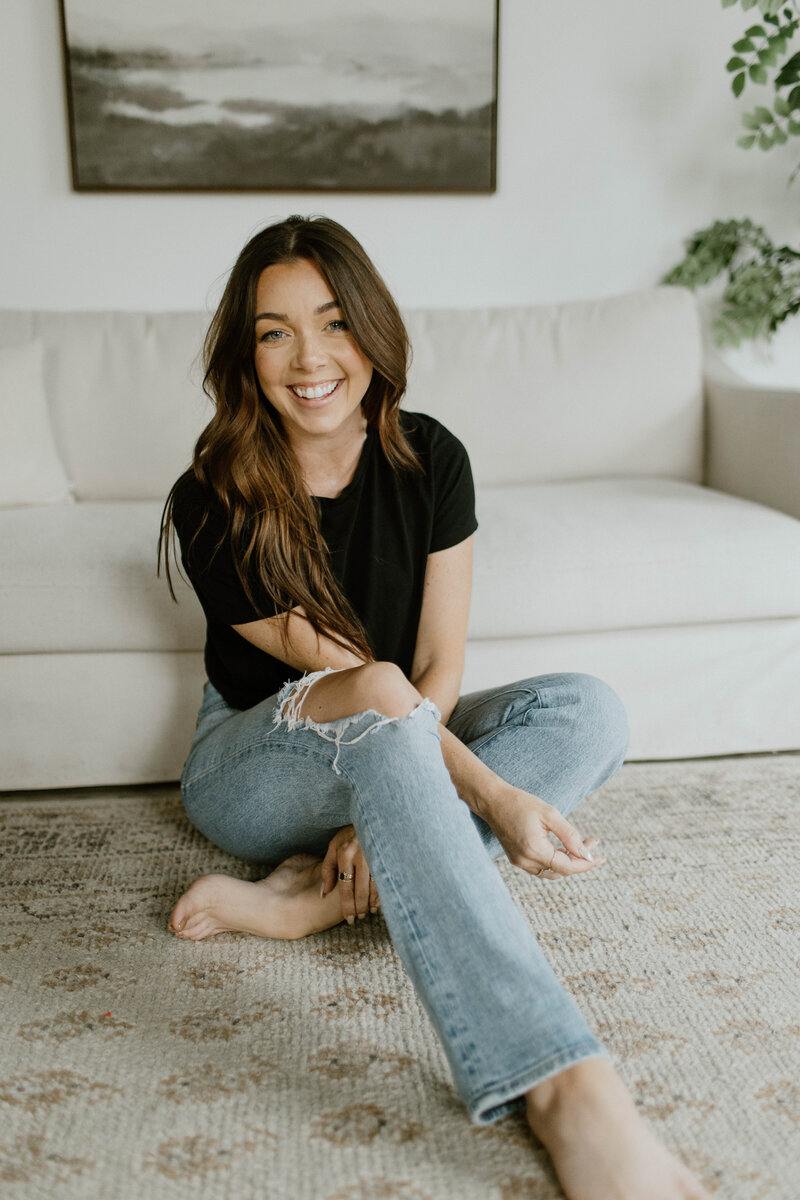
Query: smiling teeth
point(315, 393)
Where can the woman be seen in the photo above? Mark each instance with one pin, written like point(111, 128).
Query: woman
point(328, 536)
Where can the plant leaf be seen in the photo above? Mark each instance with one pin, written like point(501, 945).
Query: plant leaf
point(789, 72)
point(764, 115)
point(764, 141)
point(768, 57)
point(755, 31)
point(782, 106)
point(757, 73)
point(751, 121)
point(742, 45)
point(793, 127)
point(735, 64)
point(746, 141)
point(738, 84)
point(778, 136)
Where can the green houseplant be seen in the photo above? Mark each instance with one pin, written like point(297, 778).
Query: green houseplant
point(763, 280)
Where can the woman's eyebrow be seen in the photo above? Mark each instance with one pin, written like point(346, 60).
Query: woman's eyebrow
point(272, 316)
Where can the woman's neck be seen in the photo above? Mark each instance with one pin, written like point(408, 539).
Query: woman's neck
point(329, 462)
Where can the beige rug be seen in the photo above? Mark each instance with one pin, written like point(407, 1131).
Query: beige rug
point(135, 1065)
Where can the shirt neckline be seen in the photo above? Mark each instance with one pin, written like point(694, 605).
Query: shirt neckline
point(358, 474)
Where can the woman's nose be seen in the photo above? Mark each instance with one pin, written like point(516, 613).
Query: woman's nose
point(309, 352)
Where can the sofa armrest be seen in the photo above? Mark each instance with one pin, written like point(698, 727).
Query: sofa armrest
point(753, 443)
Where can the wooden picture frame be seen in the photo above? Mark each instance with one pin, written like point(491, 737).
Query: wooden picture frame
point(205, 95)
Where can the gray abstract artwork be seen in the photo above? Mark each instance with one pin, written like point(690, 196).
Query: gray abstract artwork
point(307, 95)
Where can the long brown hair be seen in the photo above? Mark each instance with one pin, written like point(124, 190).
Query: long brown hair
point(243, 456)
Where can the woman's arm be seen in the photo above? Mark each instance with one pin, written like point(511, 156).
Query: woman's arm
point(442, 631)
point(293, 639)
point(520, 821)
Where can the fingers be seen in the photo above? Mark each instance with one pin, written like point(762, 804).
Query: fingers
point(567, 833)
point(329, 869)
point(359, 894)
point(561, 862)
point(347, 885)
point(361, 884)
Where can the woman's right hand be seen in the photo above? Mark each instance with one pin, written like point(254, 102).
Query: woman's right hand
point(359, 893)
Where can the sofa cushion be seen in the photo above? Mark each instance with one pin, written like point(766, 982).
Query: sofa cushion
point(628, 553)
point(550, 558)
point(30, 469)
point(125, 395)
point(581, 390)
point(83, 577)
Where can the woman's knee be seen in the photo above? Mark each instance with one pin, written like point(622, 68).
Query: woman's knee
point(601, 716)
point(378, 686)
point(384, 687)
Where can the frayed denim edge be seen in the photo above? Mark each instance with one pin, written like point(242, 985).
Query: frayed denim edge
point(293, 693)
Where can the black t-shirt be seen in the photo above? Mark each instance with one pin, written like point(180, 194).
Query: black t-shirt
point(379, 532)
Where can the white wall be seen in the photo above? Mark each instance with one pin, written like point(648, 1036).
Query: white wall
point(616, 139)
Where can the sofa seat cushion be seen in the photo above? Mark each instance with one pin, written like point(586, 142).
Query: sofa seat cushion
point(550, 558)
point(83, 578)
point(627, 553)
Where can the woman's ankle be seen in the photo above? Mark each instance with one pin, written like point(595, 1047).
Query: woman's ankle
point(578, 1080)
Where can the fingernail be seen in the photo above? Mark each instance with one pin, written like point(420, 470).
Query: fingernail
point(587, 854)
point(350, 920)
point(322, 892)
point(361, 916)
point(374, 910)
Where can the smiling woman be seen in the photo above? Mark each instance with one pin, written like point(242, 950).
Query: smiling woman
point(328, 536)
point(310, 368)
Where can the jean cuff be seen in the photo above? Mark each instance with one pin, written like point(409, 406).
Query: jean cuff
point(503, 1098)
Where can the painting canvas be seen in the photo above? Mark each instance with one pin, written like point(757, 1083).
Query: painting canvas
point(367, 95)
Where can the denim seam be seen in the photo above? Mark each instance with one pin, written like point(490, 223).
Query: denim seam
point(513, 691)
point(310, 748)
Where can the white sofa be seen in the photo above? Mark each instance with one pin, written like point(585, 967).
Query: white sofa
point(635, 523)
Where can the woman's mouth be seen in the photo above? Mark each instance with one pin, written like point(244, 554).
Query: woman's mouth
point(315, 393)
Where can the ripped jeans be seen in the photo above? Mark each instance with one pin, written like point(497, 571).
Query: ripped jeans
point(264, 784)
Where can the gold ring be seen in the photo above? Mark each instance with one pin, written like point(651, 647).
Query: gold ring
point(542, 870)
point(343, 876)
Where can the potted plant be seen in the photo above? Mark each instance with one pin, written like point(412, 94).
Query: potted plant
point(762, 280)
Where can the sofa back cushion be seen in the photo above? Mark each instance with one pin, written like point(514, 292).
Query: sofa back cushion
point(586, 389)
point(125, 395)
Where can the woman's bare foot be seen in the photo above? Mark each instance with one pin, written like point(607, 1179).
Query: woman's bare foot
point(287, 904)
point(601, 1147)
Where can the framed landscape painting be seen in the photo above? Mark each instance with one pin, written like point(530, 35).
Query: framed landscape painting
point(360, 95)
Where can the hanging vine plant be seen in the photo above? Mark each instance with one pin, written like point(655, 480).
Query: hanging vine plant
point(763, 280)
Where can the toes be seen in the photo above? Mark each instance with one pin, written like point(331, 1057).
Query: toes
point(197, 927)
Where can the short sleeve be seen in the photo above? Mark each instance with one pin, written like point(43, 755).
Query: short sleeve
point(454, 517)
point(208, 562)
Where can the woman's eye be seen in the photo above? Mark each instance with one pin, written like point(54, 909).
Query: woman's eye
point(272, 335)
point(337, 325)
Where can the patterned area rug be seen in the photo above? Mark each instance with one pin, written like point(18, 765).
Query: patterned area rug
point(136, 1065)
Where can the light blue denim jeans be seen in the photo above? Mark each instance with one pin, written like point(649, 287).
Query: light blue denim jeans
point(263, 787)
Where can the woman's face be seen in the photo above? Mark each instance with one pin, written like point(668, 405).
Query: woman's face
point(309, 367)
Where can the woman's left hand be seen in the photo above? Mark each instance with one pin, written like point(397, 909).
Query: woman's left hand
point(521, 823)
point(345, 856)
